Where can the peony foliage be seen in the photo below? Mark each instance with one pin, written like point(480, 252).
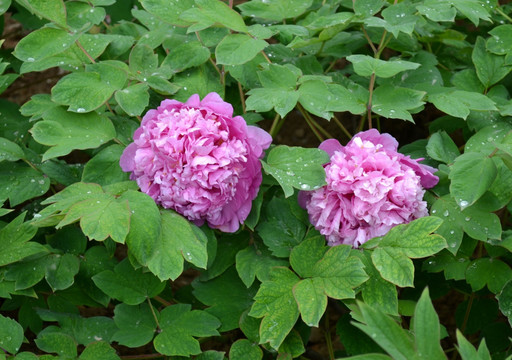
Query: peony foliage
point(255, 179)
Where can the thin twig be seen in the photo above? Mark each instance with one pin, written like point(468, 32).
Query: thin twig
point(154, 314)
point(273, 127)
point(340, 125)
point(77, 42)
point(306, 117)
point(242, 97)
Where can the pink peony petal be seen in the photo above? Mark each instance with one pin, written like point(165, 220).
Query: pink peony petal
point(330, 146)
point(197, 159)
point(370, 188)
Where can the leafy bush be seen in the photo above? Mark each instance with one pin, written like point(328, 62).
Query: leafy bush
point(92, 268)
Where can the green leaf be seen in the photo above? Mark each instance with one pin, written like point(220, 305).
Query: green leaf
point(437, 10)
point(4, 5)
point(490, 68)
point(187, 55)
point(101, 216)
point(377, 292)
point(458, 103)
point(226, 296)
point(472, 9)
point(199, 80)
point(10, 151)
point(275, 303)
point(43, 43)
point(505, 301)
point(104, 167)
point(179, 240)
point(211, 12)
point(133, 99)
point(14, 238)
point(493, 272)
point(65, 132)
point(143, 61)
point(323, 99)
point(87, 91)
point(368, 7)
point(266, 99)
point(83, 16)
point(136, 325)
point(145, 225)
point(442, 148)
point(427, 330)
point(282, 229)
point(127, 284)
point(467, 351)
point(387, 333)
point(61, 270)
point(500, 41)
point(304, 256)
point(365, 65)
point(471, 176)
point(312, 301)
point(11, 334)
point(166, 11)
point(396, 102)
point(53, 341)
point(53, 10)
point(339, 281)
point(243, 349)
point(19, 182)
point(395, 19)
point(275, 10)
point(296, 167)
point(180, 326)
point(99, 350)
point(256, 262)
point(414, 240)
point(237, 49)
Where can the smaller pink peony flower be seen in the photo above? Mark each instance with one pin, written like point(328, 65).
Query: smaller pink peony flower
point(371, 187)
point(199, 160)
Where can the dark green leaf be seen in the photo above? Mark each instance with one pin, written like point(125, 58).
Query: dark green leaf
point(243, 349)
point(256, 262)
point(10, 151)
point(179, 240)
point(276, 305)
point(19, 182)
point(365, 65)
point(99, 350)
point(11, 334)
point(387, 333)
point(136, 325)
point(296, 167)
point(127, 284)
point(493, 272)
point(471, 176)
point(490, 68)
point(43, 43)
point(187, 55)
point(65, 131)
point(237, 49)
point(427, 330)
point(104, 167)
point(275, 10)
point(442, 148)
point(180, 326)
point(226, 296)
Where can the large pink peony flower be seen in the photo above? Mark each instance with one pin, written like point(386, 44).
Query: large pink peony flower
point(197, 159)
point(370, 188)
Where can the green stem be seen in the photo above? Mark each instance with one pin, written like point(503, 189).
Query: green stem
point(499, 11)
point(340, 125)
point(307, 118)
point(242, 97)
point(327, 334)
point(85, 51)
point(320, 128)
point(153, 312)
point(273, 129)
point(369, 106)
